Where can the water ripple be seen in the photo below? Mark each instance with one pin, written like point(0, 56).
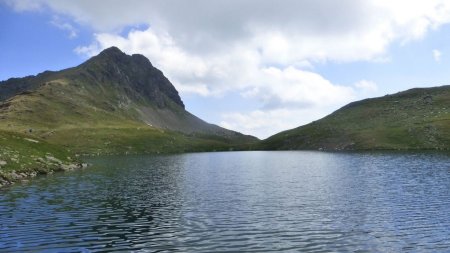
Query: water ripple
point(236, 201)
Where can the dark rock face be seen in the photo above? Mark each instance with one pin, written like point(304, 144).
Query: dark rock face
point(14, 86)
point(134, 74)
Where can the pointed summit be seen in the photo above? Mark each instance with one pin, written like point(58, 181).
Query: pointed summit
point(112, 51)
point(113, 55)
point(110, 55)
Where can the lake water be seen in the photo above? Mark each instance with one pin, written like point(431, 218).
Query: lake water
point(235, 202)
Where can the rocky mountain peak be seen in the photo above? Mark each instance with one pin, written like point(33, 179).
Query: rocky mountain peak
point(114, 56)
point(112, 66)
point(112, 51)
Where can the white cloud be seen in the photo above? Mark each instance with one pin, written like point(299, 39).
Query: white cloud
point(437, 55)
point(264, 123)
point(366, 86)
point(65, 26)
point(293, 87)
point(24, 5)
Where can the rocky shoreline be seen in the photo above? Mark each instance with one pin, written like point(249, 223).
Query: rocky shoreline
point(49, 166)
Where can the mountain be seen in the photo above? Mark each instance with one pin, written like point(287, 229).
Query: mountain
point(413, 119)
point(110, 87)
point(112, 103)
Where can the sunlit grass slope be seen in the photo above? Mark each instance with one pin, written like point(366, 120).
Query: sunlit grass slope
point(413, 119)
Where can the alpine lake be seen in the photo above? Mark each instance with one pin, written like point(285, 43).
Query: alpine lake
point(260, 201)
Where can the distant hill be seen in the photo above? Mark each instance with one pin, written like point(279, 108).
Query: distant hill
point(112, 103)
point(413, 119)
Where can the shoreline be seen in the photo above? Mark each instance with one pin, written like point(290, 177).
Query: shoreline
point(11, 177)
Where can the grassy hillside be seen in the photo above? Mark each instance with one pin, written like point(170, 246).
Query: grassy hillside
point(413, 119)
point(67, 114)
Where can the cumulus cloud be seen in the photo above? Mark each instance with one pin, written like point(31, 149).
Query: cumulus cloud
point(437, 55)
point(263, 50)
point(366, 86)
point(65, 26)
point(296, 88)
point(264, 123)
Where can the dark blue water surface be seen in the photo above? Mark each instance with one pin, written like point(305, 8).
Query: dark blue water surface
point(235, 202)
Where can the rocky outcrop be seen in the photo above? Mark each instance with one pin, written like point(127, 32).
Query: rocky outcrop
point(49, 165)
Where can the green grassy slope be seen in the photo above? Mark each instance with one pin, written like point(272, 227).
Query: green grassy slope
point(22, 156)
point(69, 115)
point(413, 119)
point(61, 114)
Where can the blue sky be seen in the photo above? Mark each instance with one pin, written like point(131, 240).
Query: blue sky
point(31, 44)
point(258, 72)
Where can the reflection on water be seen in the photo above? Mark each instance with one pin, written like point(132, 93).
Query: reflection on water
point(236, 201)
